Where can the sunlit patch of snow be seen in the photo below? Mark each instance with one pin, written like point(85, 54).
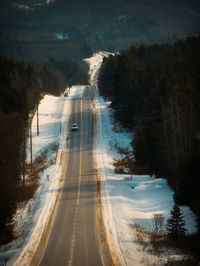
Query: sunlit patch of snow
point(62, 36)
point(76, 91)
point(94, 64)
point(50, 1)
point(32, 5)
point(22, 6)
point(122, 18)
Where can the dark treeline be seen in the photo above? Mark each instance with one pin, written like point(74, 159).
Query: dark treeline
point(155, 92)
point(21, 88)
point(29, 29)
point(68, 73)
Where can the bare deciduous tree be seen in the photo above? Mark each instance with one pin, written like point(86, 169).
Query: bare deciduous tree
point(158, 222)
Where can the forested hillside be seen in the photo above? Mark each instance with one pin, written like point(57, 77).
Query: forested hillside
point(21, 88)
point(73, 30)
point(155, 92)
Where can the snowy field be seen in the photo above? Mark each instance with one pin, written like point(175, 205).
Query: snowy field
point(125, 201)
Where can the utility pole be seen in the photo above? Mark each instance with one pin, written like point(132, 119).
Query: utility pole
point(37, 122)
point(31, 151)
point(24, 157)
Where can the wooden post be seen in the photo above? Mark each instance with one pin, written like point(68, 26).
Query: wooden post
point(24, 157)
point(37, 122)
point(31, 151)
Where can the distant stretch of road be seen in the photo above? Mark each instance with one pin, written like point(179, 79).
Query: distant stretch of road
point(73, 238)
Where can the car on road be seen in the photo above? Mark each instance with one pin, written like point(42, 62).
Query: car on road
point(74, 127)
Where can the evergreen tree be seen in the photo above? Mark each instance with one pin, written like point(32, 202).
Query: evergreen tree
point(175, 225)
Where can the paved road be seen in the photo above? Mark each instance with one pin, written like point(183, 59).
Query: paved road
point(73, 239)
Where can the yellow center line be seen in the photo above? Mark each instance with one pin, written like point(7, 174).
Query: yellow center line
point(76, 211)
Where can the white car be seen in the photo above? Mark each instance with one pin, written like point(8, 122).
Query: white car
point(74, 127)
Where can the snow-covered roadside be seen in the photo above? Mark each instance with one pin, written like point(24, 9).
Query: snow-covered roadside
point(30, 221)
point(129, 201)
point(126, 201)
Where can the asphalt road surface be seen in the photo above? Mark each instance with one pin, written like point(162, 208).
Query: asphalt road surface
point(73, 238)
